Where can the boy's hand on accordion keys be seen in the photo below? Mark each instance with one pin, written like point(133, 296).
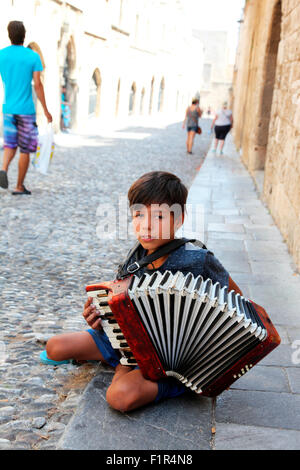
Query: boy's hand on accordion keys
point(91, 315)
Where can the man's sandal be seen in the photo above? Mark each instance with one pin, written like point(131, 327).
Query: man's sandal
point(25, 191)
point(3, 179)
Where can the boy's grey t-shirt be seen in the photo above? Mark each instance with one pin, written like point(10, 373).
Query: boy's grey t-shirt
point(190, 259)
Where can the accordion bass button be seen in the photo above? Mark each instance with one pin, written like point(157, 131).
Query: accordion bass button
point(102, 293)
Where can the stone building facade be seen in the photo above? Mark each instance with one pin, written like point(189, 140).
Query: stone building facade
point(267, 108)
point(115, 57)
point(217, 72)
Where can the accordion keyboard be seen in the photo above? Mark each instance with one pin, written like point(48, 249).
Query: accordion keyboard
point(111, 328)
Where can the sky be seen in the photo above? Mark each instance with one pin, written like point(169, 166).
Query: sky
point(218, 15)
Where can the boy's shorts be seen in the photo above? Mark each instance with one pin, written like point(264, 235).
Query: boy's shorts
point(20, 130)
point(167, 387)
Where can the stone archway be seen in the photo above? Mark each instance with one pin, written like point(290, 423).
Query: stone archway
point(142, 101)
point(69, 80)
point(118, 97)
point(132, 97)
point(268, 88)
point(151, 95)
point(161, 95)
point(95, 93)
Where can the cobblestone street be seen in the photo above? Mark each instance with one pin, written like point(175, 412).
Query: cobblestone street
point(50, 251)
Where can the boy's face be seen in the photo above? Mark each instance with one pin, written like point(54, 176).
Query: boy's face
point(155, 225)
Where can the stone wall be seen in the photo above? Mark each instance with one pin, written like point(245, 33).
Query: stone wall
point(267, 108)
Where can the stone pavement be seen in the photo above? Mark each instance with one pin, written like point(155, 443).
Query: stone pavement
point(261, 410)
point(50, 250)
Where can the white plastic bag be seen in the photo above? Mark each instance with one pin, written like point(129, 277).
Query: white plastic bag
point(44, 151)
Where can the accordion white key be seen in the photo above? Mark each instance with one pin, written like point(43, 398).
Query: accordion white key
point(184, 327)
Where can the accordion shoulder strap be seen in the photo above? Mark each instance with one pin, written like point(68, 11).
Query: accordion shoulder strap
point(173, 245)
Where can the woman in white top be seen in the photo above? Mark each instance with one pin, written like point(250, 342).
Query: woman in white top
point(223, 122)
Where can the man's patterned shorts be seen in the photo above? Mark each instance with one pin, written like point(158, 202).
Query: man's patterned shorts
point(20, 130)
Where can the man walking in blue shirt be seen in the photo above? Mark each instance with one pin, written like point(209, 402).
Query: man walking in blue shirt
point(18, 67)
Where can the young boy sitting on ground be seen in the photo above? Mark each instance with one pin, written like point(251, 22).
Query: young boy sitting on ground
point(153, 227)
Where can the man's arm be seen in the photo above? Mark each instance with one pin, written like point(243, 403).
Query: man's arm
point(39, 89)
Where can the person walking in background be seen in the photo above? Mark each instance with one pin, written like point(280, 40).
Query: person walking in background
point(18, 67)
point(222, 122)
point(65, 111)
point(192, 115)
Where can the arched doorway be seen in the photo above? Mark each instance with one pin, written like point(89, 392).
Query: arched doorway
point(95, 93)
point(161, 95)
point(118, 97)
point(151, 95)
point(69, 84)
point(142, 101)
point(268, 88)
point(132, 98)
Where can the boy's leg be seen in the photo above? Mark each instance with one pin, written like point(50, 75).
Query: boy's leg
point(79, 346)
point(130, 390)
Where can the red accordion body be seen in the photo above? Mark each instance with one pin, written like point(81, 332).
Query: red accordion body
point(143, 349)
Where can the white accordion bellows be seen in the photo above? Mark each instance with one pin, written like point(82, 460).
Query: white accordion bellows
point(196, 327)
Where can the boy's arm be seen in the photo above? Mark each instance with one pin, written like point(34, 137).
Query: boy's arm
point(233, 286)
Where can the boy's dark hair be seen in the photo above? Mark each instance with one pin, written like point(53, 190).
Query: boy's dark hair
point(16, 32)
point(158, 187)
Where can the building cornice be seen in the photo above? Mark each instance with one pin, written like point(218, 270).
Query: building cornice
point(95, 36)
point(143, 50)
point(119, 30)
point(73, 7)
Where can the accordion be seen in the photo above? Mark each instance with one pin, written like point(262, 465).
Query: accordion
point(184, 327)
